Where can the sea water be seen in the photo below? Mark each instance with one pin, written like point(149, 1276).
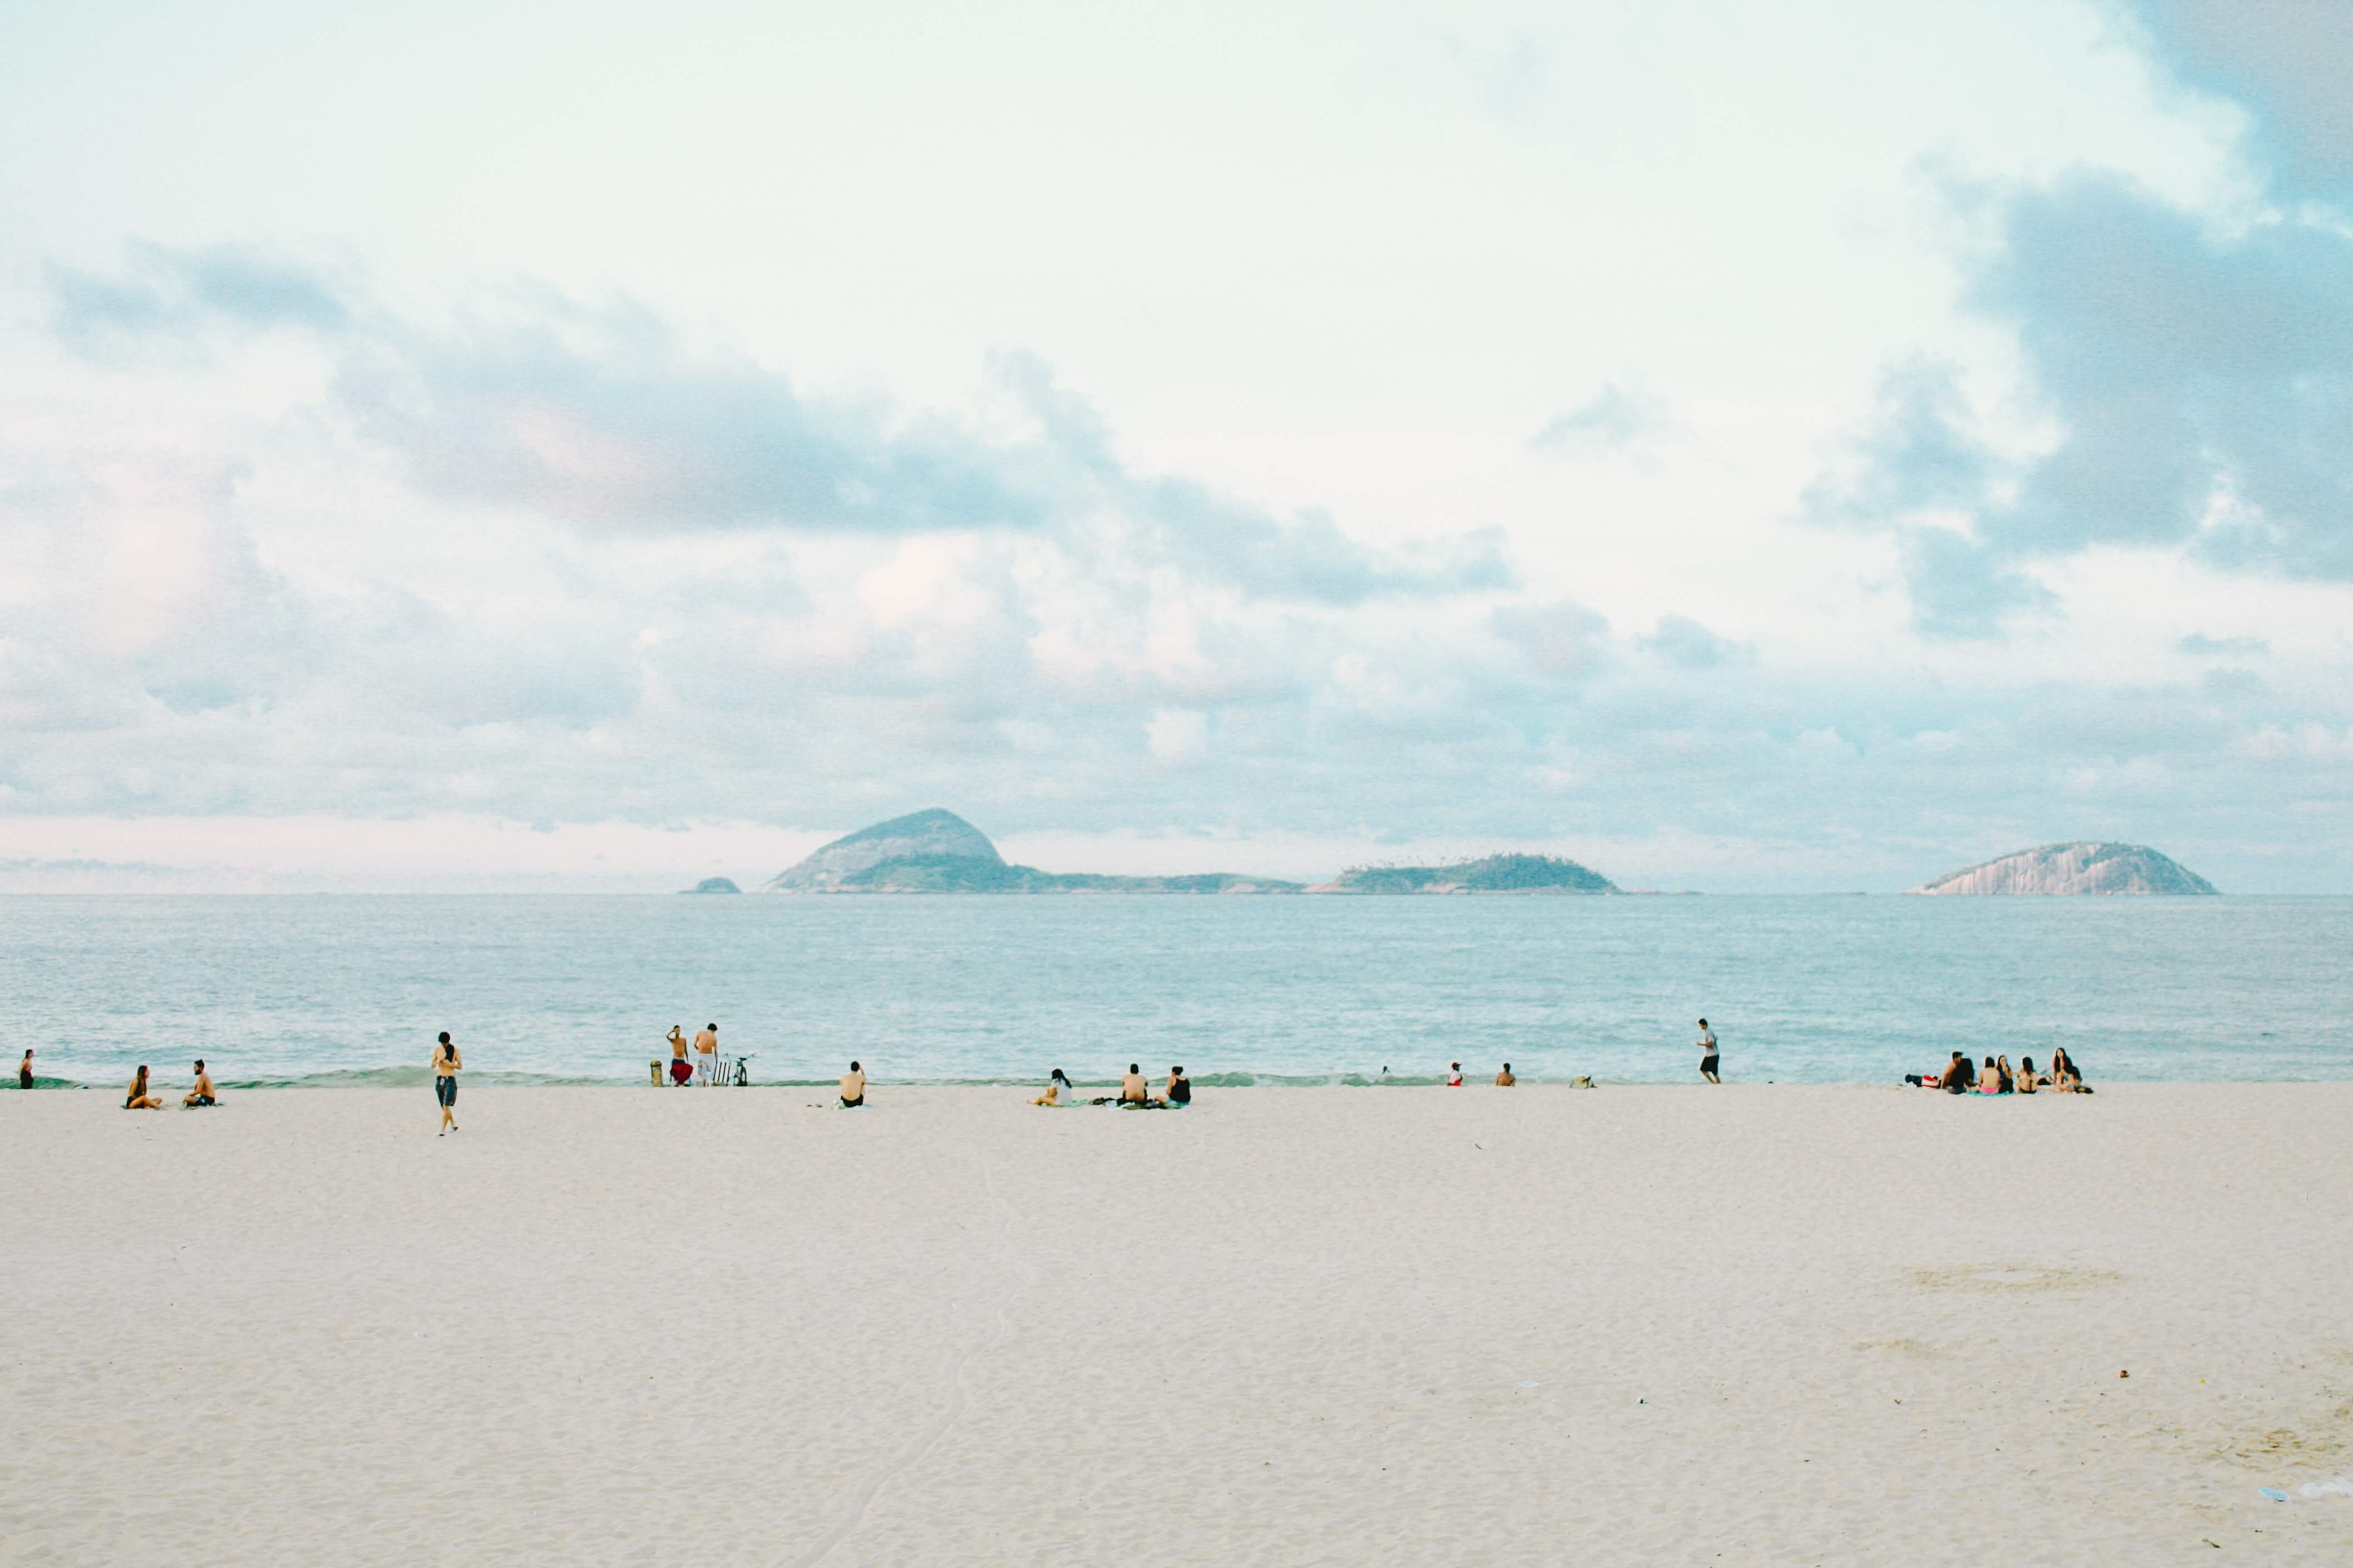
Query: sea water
point(1240, 990)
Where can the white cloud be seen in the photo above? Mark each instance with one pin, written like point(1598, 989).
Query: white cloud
point(841, 415)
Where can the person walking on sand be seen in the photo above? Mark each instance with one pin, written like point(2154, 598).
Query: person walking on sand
point(203, 1093)
point(446, 1063)
point(139, 1098)
point(24, 1070)
point(706, 1055)
point(1505, 1079)
point(1707, 1053)
point(853, 1087)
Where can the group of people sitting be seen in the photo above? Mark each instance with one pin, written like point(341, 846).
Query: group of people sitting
point(1996, 1077)
point(1134, 1092)
point(138, 1098)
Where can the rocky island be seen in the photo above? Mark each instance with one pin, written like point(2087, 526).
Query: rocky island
point(2131, 869)
point(712, 885)
point(937, 851)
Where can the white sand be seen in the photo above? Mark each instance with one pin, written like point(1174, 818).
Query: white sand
point(1748, 1325)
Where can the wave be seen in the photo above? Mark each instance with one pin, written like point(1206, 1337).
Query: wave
point(417, 1077)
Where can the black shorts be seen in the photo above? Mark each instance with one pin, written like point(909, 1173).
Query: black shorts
point(1708, 1063)
point(445, 1089)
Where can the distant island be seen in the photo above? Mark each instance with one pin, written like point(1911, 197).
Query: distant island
point(937, 851)
point(1493, 874)
point(2080, 868)
point(712, 885)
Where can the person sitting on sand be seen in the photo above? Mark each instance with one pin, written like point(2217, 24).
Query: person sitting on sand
point(2026, 1082)
point(139, 1098)
point(445, 1064)
point(1454, 1075)
point(2064, 1078)
point(1935, 1080)
point(1505, 1079)
point(203, 1093)
point(1962, 1076)
point(1133, 1090)
point(1180, 1092)
point(24, 1070)
point(853, 1087)
point(1990, 1078)
point(2008, 1080)
point(1058, 1092)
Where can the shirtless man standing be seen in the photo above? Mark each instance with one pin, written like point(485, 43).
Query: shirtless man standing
point(203, 1093)
point(706, 1054)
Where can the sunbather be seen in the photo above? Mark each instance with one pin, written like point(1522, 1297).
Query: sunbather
point(139, 1098)
point(1058, 1092)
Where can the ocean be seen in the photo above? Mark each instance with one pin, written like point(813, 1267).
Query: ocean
point(581, 989)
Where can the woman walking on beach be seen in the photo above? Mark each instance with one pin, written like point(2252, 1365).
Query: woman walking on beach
point(446, 1063)
point(24, 1070)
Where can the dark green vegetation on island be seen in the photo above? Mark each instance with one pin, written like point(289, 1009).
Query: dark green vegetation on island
point(967, 874)
point(2078, 868)
point(939, 852)
point(1491, 874)
point(712, 885)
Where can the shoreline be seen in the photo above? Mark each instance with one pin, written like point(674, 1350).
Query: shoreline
point(405, 1077)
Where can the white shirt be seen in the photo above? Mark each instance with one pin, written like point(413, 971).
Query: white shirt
point(1707, 1042)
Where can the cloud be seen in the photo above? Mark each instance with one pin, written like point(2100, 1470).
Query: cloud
point(2200, 384)
point(1560, 641)
point(169, 298)
point(2197, 645)
point(1687, 644)
point(2286, 60)
point(603, 418)
point(1614, 416)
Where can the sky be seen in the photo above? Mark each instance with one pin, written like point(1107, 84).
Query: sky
point(1791, 447)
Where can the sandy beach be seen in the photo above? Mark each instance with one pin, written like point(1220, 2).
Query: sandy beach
point(1746, 1325)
